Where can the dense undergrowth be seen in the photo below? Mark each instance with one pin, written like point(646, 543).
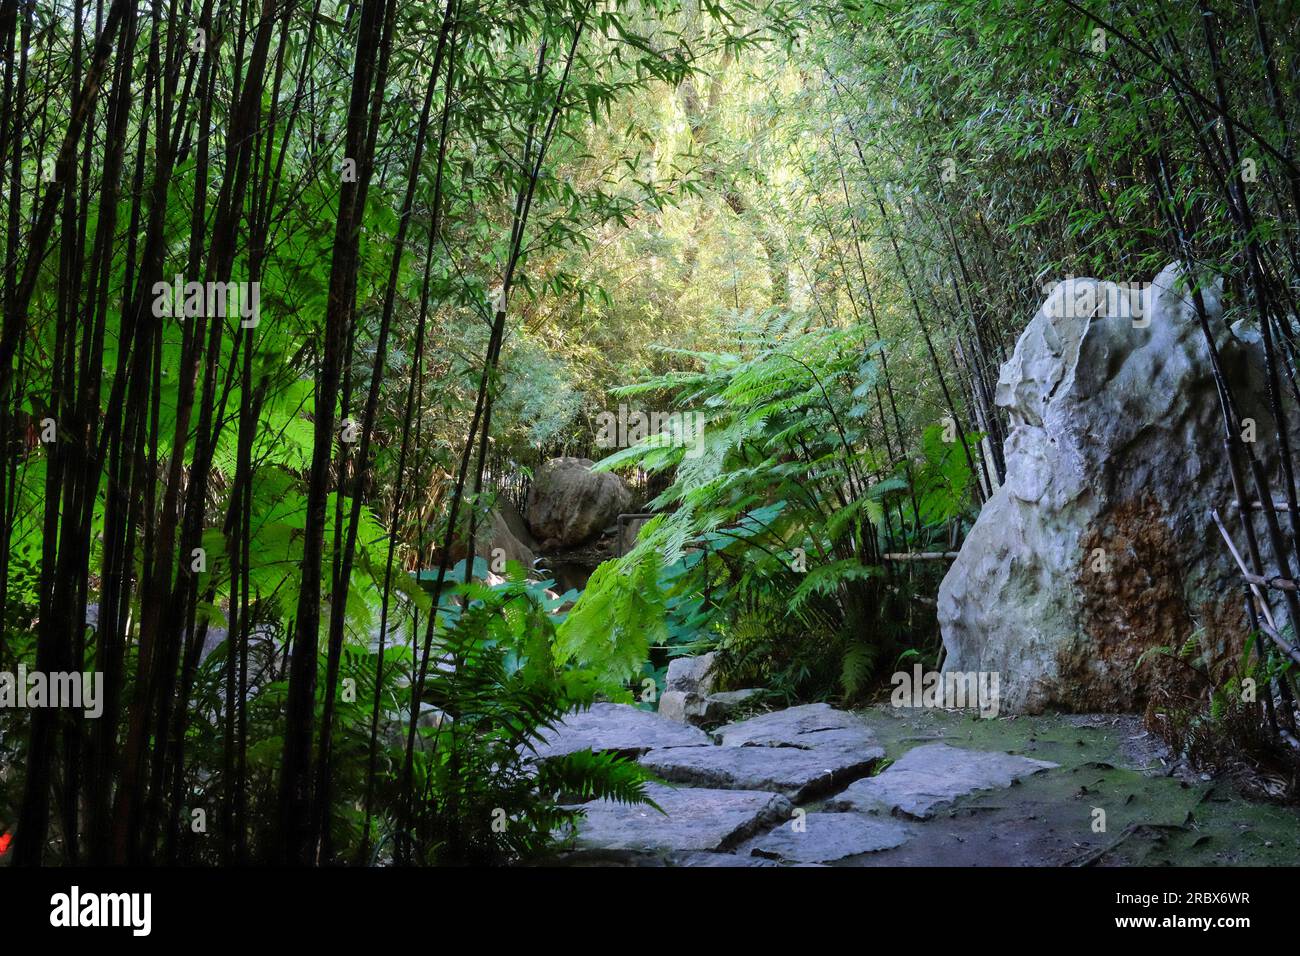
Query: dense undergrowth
point(777, 519)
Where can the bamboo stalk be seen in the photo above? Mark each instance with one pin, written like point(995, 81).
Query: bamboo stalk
point(1256, 581)
point(1259, 506)
point(1277, 583)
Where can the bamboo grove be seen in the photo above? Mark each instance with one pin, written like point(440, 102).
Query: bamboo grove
point(403, 153)
point(283, 286)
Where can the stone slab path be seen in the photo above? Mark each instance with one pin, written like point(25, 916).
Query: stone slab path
point(828, 837)
point(619, 728)
point(814, 786)
point(934, 775)
point(792, 772)
point(694, 819)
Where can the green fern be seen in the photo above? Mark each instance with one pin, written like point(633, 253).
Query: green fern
point(786, 500)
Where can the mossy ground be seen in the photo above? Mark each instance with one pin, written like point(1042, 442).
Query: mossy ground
point(1106, 763)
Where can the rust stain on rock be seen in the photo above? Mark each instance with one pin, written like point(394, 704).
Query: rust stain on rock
point(1138, 603)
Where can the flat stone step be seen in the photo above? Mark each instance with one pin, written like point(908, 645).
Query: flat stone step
point(804, 727)
point(928, 777)
point(827, 837)
point(793, 772)
point(620, 728)
point(694, 820)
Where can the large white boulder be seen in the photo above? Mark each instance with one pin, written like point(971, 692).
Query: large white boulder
point(1099, 545)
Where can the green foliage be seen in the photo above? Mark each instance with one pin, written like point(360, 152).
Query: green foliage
point(620, 615)
point(481, 798)
point(776, 516)
point(1229, 723)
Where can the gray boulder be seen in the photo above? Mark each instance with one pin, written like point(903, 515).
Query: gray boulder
point(688, 681)
point(688, 696)
point(569, 504)
point(1099, 545)
point(502, 533)
point(680, 706)
point(505, 530)
point(691, 675)
point(694, 709)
